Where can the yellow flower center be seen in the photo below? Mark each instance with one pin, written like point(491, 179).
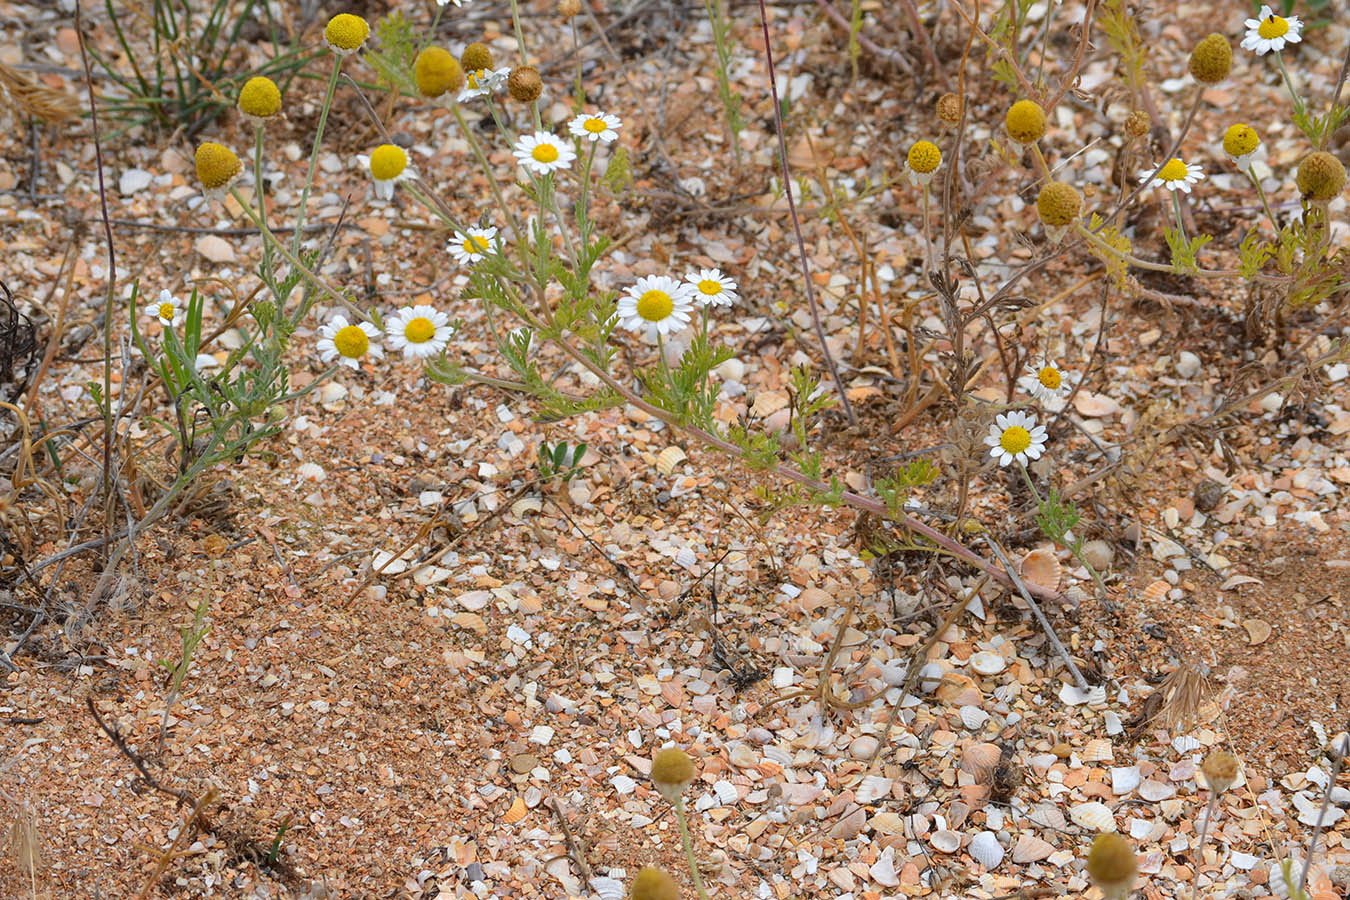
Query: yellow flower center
point(1049, 377)
point(475, 243)
point(346, 31)
point(924, 157)
point(216, 165)
point(419, 330)
point(476, 78)
point(1175, 170)
point(1273, 27)
point(1239, 140)
point(260, 97)
point(594, 126)
point(166, 311)
point(387, 162)
point(655, 305)
point(352, 341)
point(1015, 439)
point(545, 153)
point(710, 287)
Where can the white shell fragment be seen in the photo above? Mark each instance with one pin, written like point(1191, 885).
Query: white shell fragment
point(973, 717)
point(1125, 779)
point(945, 841)
point(669, 459)
point(986, 850)
point(1097, 816)
point(987, 663)
point(1030, 848)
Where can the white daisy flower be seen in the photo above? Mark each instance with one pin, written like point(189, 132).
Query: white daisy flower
point(1015, 437)
point(657, 304)
point(472, 244)
point(456, 2)
point(1242, 144)
point(387, 165)
point(482, 82)
point(543, 153)
point(712, 288)
point(1269, 32)
point(1049, 384)
point(1175, 176)
point(420, 331)
point(168, 309)
point(342, 340)
point(598, 127)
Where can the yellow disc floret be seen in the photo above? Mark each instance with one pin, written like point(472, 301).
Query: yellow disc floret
point(1174, 170)
point(1026, 122)
point(475, 57)
point(653, 884)
point(437, 71)
point(1050, 378)
point(387, 162)
point(1239, 140)
point(217, 166)
point(1321, 176)
point(1112, 865)
point(352, 341)
point(924, 157)
point(1211, 59)
point(260, 98)
point(654, 306)
point(1058, 203)
point(1272, 27)
point(346, 33)
point(476, 243)
point(166, 311)
point(419, 330)
point(1015, 439)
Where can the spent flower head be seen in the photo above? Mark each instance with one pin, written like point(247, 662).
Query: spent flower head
point(543, 153)
point(472, 244)
point(168, 309)
point(524, 84)
point(1241, 142)
point(672, 772)
point(1269, 32)
point(1112, 865)
point(259, 99)
point(653, 884)
point(1175, 175)
point(345, 33)
point(1321, 176)
point(1221, 770)
point(437, 72)
point(712, 288)
point(1025, 122)
point(595, 127)
point(1015, 436)
point(656, 305)
point(1211, 59)
point(1136, 123)
point(217, 168)
point(923, 161)
point(387, 164)
point(348, 342)
point(419, 331)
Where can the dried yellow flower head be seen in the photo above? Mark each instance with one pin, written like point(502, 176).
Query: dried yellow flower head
point(260, 99)
point(1136, 123)
point(924, 157)
point(1321, 176)
point(672, 771)
point(1211, 59)
point(345, 33)
point(525, 84)
point(217, 166)
point(1026, 122)
point(1221, 770)
point(949, 108)
point(437, 71)
point(568, 8)
point(653, 884)
point(475, 57)
point(1112, 865)
point(1058, 203)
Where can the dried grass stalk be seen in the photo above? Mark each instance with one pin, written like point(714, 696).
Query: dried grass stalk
point(25, 97)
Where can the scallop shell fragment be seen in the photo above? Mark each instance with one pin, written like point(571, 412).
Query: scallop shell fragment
point(1030, 848)
point(986, 850)
point(515, 813)
point(1098, 750)
point(669, 459)
point(1097, 816)
point(987, 663)
point(945, 841)
point(1041, 568)
point(607, 888)
point(973, 717)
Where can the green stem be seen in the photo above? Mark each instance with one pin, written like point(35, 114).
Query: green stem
point(260, 190)
point(1298, 102)
point(1026, 476)
point(314, 153)
point(520, 35)
point(1265, 204)
point(689, 850)
point(1176, 207)
point(431, 33)
point(492, 181)
point(1151, 266)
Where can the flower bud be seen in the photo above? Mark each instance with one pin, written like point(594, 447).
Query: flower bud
point(1211, 59)
point(672, 771)
point(1321, 176)
point(1112, 866)
point(475, 57)
point(1221, 770)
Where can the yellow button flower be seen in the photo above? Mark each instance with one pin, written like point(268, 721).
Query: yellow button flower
point(217, 168)
point(923, 161)
point(260, 99)
point(437, 72)
point(1025, 122)
point(346, 33)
